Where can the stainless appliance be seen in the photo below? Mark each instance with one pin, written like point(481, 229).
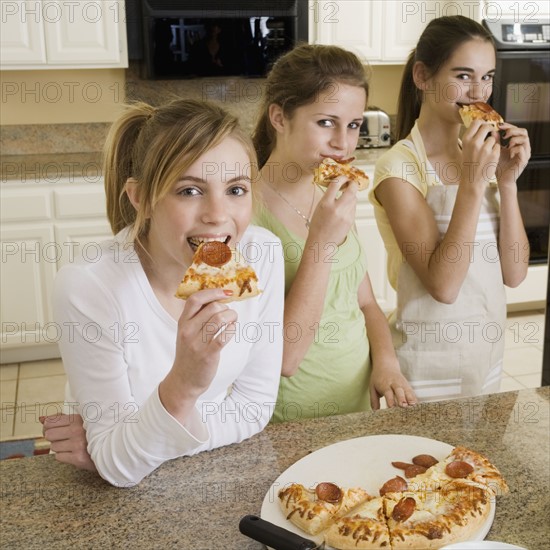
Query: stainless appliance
point(375, 129)
point(521, 94)
point(190, 38)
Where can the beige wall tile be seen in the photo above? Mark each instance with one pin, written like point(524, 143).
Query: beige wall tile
point(9, 372)
point(8, 389)
point(41, 390)
point(7, 419)
point(520, 361)
point(36, 369)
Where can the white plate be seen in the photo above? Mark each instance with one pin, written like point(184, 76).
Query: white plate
point(361, 462)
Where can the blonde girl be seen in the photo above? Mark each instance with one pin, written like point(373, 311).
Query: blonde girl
point(155, 385)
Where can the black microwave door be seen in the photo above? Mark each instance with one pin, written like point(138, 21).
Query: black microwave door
point(521, 94)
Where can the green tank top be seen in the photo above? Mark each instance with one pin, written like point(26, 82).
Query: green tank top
point(334, 376)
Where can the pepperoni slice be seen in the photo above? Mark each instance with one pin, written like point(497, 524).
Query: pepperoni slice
point(329, 492)
point(425, 460)
point(414, 470)
point(458, 468)
point(394, 485)
point(215, 253)
point(404, 509)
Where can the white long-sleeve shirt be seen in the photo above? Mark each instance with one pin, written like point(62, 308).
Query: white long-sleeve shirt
point(118, 343)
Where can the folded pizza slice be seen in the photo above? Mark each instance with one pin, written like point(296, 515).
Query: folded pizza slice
point(215, 265)
point(314, 510)
point(330, 169)
point(461, 464)
point(482, 111)
point(434, 518)
point(362, 529)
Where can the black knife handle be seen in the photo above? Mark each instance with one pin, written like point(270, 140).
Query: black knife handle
point(272, 535)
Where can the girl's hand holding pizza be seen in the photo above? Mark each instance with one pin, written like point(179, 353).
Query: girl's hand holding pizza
point(480, 154)
point(198, 348)
point(513, 158)
point(199, 345)
point(334, 215)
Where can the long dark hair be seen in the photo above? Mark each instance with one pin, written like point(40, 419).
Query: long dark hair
point(297, 79)
point(435, 46)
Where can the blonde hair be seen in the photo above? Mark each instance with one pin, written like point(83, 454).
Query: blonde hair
point(155, 146)
point(297, 78)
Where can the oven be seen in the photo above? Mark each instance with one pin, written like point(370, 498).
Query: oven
point(521, 94)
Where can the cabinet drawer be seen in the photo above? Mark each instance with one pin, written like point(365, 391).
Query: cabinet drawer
point(19, 205)
point(80, 203)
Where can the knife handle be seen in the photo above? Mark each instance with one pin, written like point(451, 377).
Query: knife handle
point(272, 535)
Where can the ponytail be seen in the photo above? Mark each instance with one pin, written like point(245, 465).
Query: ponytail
point(118, 164)
point(409, 100)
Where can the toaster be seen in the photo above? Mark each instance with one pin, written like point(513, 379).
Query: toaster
point(375, 129)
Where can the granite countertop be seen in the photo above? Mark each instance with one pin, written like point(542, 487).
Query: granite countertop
point(50, 167)
point(196, 502)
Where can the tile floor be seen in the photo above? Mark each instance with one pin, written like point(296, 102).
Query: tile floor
point(29, 390)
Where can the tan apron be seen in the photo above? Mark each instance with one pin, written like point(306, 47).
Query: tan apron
point(454, 350)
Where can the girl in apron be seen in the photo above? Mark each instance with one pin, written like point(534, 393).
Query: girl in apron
point(447, 210)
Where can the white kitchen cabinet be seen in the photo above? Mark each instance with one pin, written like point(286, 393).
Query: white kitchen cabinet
point(374, 249)
point(377, 31)
point(43, 226)
point(63, 34)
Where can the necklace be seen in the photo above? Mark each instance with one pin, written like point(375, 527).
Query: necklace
point(307, 218)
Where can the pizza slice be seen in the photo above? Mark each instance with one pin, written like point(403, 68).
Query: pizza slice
point(435, 518)
point(362, 529)
point(313, 510)
point(330, 169)
point(482, 111)
point(215, 265)
point(464, 464)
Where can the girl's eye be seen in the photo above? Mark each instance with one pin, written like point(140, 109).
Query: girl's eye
point(354, 125)
point(326, 123)
point(237, 191)
point(189, 192)
point(463, 76)
point(488, 77)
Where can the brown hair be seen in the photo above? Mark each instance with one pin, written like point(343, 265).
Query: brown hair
point(297, 78)
point(435, 46)
point(155, 146)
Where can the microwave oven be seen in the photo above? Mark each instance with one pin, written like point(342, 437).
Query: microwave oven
point(206, 38)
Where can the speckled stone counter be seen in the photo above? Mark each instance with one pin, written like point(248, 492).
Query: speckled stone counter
point(197, 502)
point(51, 167)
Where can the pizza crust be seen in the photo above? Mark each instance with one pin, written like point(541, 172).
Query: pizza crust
point(302, 507)
point(454, 513)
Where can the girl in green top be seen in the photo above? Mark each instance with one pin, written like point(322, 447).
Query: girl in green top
point(338, 353)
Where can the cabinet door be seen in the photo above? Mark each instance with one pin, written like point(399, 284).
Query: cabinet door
point(29, 256)
point(22, 34)
point(355, 25)
point(376, 256)
point(83, 239)
point(85, 33)
point(403, 25)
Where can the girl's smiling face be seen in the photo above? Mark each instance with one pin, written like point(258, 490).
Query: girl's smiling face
point(466, 77)
point(327, 127)
point(211, 201)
